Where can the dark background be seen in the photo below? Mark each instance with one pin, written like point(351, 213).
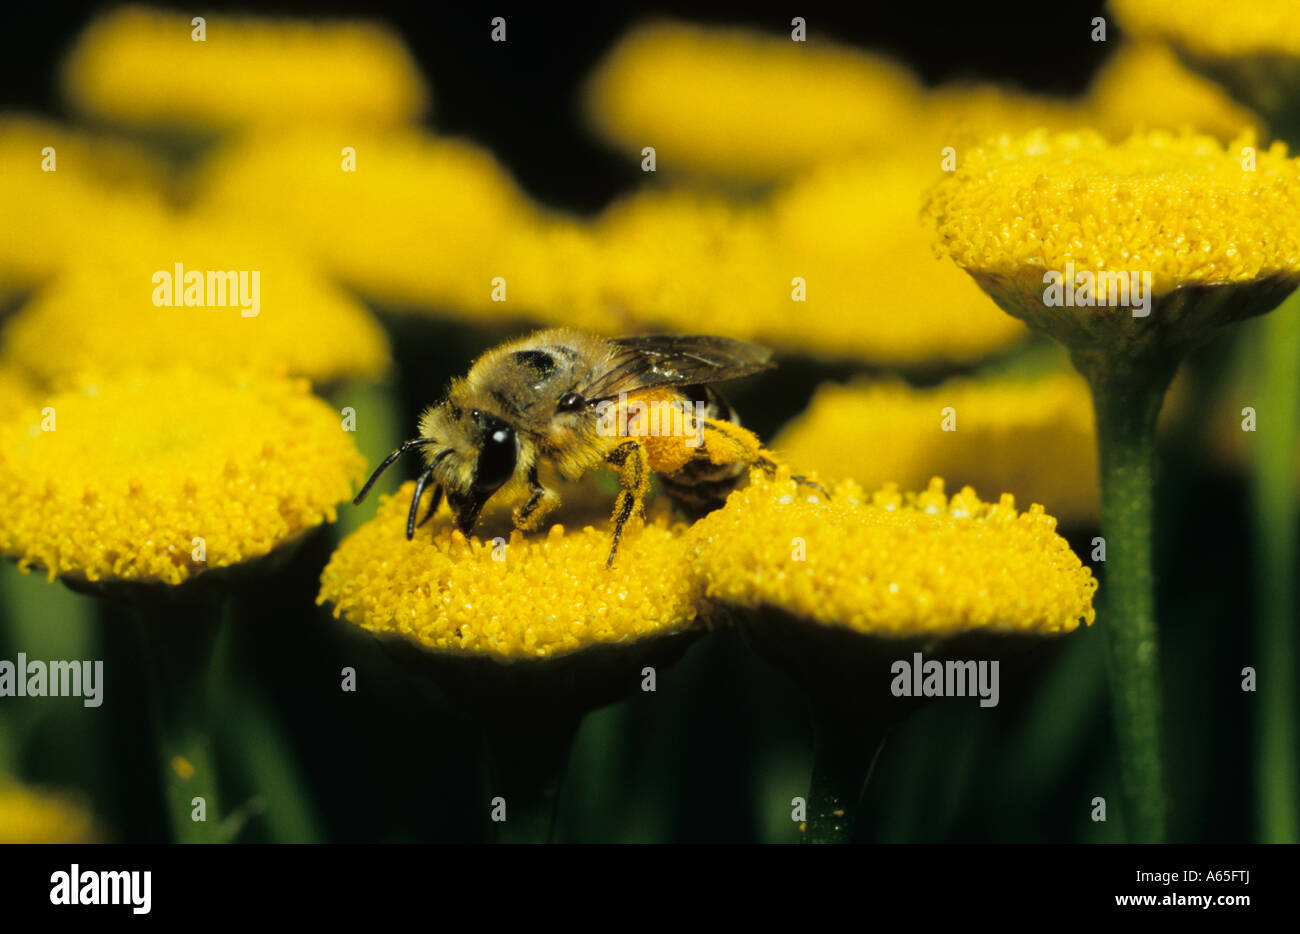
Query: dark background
point(519, 98)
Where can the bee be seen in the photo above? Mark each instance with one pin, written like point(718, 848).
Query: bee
point(578, 402)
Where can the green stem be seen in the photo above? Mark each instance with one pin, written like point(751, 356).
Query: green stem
point(526, 767)
point(378, 413)
point(845, 752)
point(176, 640)
point(1127, 403)
point(1277, 742)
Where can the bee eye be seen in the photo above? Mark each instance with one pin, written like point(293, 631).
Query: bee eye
point(570, 402)
point(496, 459)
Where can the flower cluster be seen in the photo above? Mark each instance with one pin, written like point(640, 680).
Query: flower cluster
point(886, 564)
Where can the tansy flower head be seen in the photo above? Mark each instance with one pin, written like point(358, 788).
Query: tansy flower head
point(61, 191)
point(1253, 49)
point(200, 292)
point(150, 67)
point(418, 223)
point(1156, 240)
point(825, 267)
point(1210, 29)
point(1034, 436)
point(892, 564)
point(739, 103)
point(1143, 86)
point(159, 476)
point(525, 598)
point(31, 816)
point(964, 114)
point(850, 232)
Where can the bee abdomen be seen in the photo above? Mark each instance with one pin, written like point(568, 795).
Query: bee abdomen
point(697, 490)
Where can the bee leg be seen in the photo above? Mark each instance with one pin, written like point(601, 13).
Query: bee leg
point(633, 476)
point(433, 506)
point(528, 515)
point(420, 484)
point(768, 466)
point(744, 446)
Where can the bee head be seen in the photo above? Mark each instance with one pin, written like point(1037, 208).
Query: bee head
point(472, 454)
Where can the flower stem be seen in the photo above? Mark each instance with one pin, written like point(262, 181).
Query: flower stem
point(176, 640)
point(845, 752)
point(1277, 785)
point(1127, 402)
point(526, 766)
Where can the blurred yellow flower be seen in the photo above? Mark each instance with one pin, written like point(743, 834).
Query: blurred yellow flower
point(1034, 436)
point(893, 564)
point(1212, 29)
point(557, 272)
point(963, 114)
point(742, 103)
point(16, 392)
point(62, 190)
point(141, 66)
point(237, 301)
point(1143, 86)
point(1252, 49)
point(837, 265)
point(1158, 213)
point(158, 476)
point(32, 816)
point(419, 222)
point(853, 233)
point(535, 597)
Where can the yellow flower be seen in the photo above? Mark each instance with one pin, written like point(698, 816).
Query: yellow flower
point(31, 816)
point(1211, 29)
point(836, 265)
point(161, 475)
point(557, 271)
point(963, 114)
point(893, 564)
point(741, 103)
point(1143, 86)
point(1178, 218)
point(114, 310)
point(874, 291)
point(141, 66)
point(419, 222)
point(16, 393)
point(61, 190)
point(528, 598)
point(1034, 436)
point(1251, 49)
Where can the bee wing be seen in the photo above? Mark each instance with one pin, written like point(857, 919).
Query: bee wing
point(673, 360)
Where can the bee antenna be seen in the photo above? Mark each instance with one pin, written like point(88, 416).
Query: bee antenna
point(388, 462)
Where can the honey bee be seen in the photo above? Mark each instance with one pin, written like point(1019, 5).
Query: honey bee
point(576, 401)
